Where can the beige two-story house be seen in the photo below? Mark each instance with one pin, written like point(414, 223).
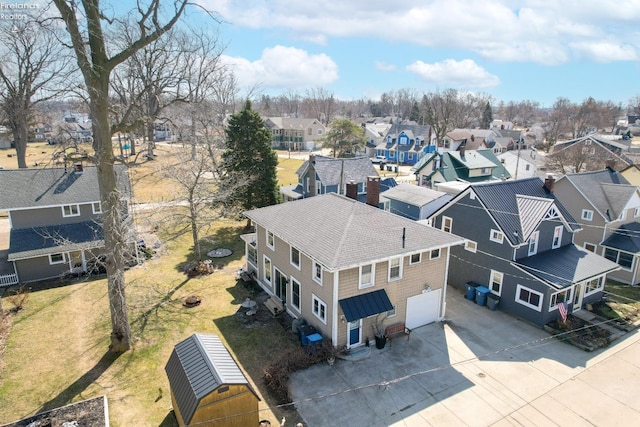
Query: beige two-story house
point(339, 264)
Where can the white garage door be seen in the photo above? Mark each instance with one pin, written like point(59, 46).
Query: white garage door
point(423, 309)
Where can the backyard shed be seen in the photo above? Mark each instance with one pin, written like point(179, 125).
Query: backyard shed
point(207, 386)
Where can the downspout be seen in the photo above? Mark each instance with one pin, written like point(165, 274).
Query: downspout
point(334, 313)
point(443, 305)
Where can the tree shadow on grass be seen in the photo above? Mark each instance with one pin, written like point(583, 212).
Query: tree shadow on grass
point(78, 386)
point(141, 321)
point(224, 237)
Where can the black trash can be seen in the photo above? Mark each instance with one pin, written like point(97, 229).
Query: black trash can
point(492, 301)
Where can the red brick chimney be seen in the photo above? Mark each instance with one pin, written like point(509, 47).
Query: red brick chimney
point(373, 191)
point(549, 183)
point(610, 164)
point(312, 175)
point(78, 168)
point(352, 190)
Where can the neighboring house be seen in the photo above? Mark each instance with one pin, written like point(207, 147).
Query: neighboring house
point(498, 124)
point(295, 134)
point(470, 166)
point(406, 143)
point(519, 163)
point(6, 138)
point(632, 174)
point(471, 139)
point(375, 133)
point(42, 131)
point(322, 175)
point(207, 386)
point(414, 202)
point(54, 217)
point(592, 149)
point(519, 244)
point(337, 263)
point(607, 208)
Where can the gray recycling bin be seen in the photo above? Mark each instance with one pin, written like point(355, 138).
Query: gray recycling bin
point(492, 301)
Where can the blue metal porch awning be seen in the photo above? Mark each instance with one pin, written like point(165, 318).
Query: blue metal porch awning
point(369, 304)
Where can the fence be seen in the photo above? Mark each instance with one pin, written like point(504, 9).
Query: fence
point(8, 279)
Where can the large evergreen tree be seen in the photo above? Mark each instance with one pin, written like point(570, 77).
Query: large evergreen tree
point(487, 116)
point(249, 159)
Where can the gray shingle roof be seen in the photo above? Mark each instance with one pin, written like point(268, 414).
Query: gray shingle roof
point(25, 188)
point(340, 232)
point(197, 366)
point(606, 189)
point(413, 194)
point(566, 265)
point(514, 213)
point(329, 169)
point(52, 239)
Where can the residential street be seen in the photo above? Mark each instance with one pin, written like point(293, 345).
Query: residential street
point(479, 368)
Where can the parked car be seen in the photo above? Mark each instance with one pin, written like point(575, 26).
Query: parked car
point(379, 159)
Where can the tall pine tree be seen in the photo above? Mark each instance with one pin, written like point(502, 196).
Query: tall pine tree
point(250, 160)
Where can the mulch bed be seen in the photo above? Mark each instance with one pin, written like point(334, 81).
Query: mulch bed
point(86, 413)
point(579, 333)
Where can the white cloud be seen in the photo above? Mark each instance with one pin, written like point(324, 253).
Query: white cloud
point(284, 67)
point(541, 31)
point(384, 66)
point(465, 73)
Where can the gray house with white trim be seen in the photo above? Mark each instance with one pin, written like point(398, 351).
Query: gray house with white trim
point(519, 244)
point(54, 218)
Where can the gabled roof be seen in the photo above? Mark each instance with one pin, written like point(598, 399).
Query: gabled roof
point(518, 206)
point(625, 238)
point(607, 190)
point(613, 147)
point(198, 366)
point(330, 169)
point(291, 122)
point(340, 233)
point(455, 167)
point(564, 266)
point(29, 188)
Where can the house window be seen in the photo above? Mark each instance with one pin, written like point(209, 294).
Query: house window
point(366, 276)
point(529, 298)
point(470, 245)
point(434, 254)
point(485, 171)
point(559, 297)
point(624, 259)
point(252, 255)
point(295, 257)
point(495, 283)
point(594, 285)
point(319, 309)
point(392, 312)
point(57, 259)
point(623, 216)
point(295, 294)
point(587, 215)
point(96, 207)
point(270, 240)
point(266, 267)
point(317, 272)
point(310, 131)
point(447, 224)
point(395, 268)
point(636, 212)
point(533, 243)
point(590, 247)
point(496, 236)
point(415, 258)
point(70, 210)
point(557, 237)
point(319, 131)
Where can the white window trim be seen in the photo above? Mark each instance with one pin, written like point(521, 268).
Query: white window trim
point(587, 215)
point(249, 247)
point(495, 273)
point(318, 280)
point(400, 262)
point(373, 275)
point(595, 247)
point(294, 280)
point(435, 257)
point(445, 220)
point(264, 270)
point(559, 229)
point(598, 289)
point(291, 249)
point(471, 246)
point(273, 238)
point(533, 238)
point(526, 304)
point(496, 236)
point(64, 259)
point(568, 299)
point(415, 262)
point(71, 214)
point(636, 212)
point(315, 298)
point(93, 207)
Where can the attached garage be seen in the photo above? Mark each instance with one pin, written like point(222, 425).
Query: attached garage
point(424, 308)
point(207, 386)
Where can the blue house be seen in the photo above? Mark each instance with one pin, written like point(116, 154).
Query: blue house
point(406, 143)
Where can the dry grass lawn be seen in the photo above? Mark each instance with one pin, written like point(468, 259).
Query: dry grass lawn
point(56, 352)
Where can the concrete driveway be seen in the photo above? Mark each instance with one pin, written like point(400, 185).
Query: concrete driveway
point(478, 368)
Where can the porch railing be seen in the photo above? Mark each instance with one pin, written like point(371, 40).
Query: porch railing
point(8, 279)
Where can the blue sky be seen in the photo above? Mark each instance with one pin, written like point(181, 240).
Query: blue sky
point(511, 49)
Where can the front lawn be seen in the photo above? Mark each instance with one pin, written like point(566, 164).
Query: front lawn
point(621, 303)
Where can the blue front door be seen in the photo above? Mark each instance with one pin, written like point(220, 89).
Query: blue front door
point(354, 332)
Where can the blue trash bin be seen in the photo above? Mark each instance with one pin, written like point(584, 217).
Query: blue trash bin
point(481, 295)
point(471, 291)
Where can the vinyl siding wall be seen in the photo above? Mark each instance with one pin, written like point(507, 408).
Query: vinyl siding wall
point(49, 216)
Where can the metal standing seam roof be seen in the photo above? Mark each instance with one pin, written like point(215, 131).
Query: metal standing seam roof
point(31, 188)
point(197, 366)
point(625, 238)
point(564, 266)
point(339, 232)
point(329, 169)
point(44, 240)
point(365, 305)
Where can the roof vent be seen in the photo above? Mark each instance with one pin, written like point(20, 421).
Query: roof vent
point(78, 168)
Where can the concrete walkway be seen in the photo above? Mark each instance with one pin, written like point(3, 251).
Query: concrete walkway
point(480, 368)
